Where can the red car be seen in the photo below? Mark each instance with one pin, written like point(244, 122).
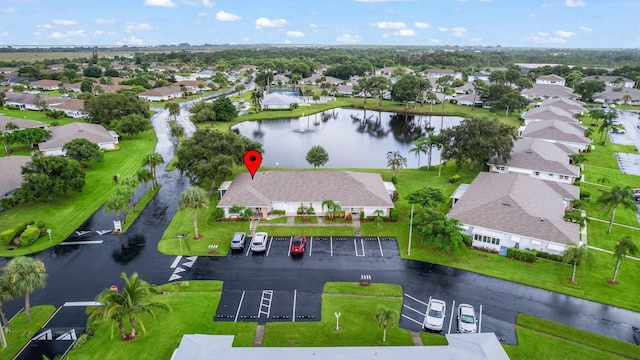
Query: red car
point(297, 244)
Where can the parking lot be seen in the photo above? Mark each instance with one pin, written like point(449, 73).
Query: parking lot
point(360, 246)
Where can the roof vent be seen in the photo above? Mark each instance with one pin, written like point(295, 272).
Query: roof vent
point(541, 219)
point(505, 204)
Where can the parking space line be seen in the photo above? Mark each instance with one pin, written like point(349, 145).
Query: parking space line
point(380, 246)
point(239, 306)
point(311, 246)
point(331, 240)
point(176, 262)
point(265, 301)
point(408, 318)
point(410, 308)
point(295, 296)
point(248, 248)
point(269, 249)
point(421, 302)
point(480, 321)
point(362, 246)
point(355, 247)
point(289, 251)
point(453, 306)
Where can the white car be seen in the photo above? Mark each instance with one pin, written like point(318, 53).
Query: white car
point(259, 242)
point(434, 320)
point(466, 319)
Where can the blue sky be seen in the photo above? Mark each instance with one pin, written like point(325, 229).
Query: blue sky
point(522, 23)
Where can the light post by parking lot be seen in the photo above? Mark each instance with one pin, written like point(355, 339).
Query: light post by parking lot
point(49, 232)
point(338, 321)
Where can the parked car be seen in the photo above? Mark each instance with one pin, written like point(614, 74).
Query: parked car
point(466, 319)
point(238, 240)
point(297, 244)
point(259, 242)
point(636, 193)
point(436, 310)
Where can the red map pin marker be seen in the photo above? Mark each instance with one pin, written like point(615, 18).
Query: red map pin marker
point(252, 160)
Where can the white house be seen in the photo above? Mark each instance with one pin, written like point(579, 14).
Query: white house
point(21, 123)
point(164, 93)
point(26, 101)
point(517, 211)
point(482, 75)
point(288, 190)
point(278, 101)
point(557, 131)
point(45, 84)
point(469, 100)
point(73, 108)
point(435, 74)
point(618, 96)
point(552, 79)
point(613, 81)
point(60, 135)
point(573, 106)
point(539, 159)
point(549, 112)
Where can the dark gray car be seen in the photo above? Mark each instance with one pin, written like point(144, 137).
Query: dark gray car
point(238, 240)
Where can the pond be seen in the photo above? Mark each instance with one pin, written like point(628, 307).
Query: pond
point(354, 138)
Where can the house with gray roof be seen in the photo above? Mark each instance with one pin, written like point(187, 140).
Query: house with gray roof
point(618, 96)
point(613, 81)
point(73, 108)
point(468, 100)
point(435, 74)
point(278, 101)
point(21, 123)
point(551, 79)
point(543, 91)
point(559, 132)
point(11, 174)
point(539, 159)
point(517, 211)
point(573, 106)
point(60, 135)
point(164, 93)
point(288, 190)
point(549, 112)
point(26, 101)
point(45, 84)
point(481, 346)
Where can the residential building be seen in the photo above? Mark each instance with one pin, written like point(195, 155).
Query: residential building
point(26, 101)
point(559, 132)
point(549, 112)
point(618, 96)
point(516, 211)
point(469, 100)
point(435, 74)
point(193, 85)
point(543, 91)
point(73, 108)
point(45, 85)
point(165, 93)
point(552, 79)
point(60, 135)
point(287, 190)
point(11, 174)
point(539, 159)
point(278, 101)
point(482, 75)
point(613, 81)
point(573, 106)
point(21, 123)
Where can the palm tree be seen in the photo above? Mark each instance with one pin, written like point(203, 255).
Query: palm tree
point(386, 317)
point(127, 186)
point(626, 98)
point(574, 254)
point(177, 131)
point(378, 214)
point(194, 198)
point(116, 203)
point(112, 309)
point(396, 161)
point(624, 247)
point(23, 275)
point(5, 295)
point(174, 109)
point(144, 175)
point(331, 205)
point(153, 159)
point(419, 146)
point(136, 295)
point(615, 197)
point(577, 158)
point(432, 141)
point(256, 98)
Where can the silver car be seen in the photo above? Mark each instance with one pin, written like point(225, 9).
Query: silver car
point(259, 242)
point(238, 240)
point(434, 320)
point(466, 319)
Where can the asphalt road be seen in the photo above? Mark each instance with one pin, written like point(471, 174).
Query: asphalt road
point(78, 272)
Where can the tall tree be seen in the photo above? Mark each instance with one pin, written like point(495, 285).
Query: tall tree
point(386, 318)
point(615, 197)
point(83, 150)
point(406, 89)
point(624, 247)
point(588, 88)
point(379, 86)
point(575, 254)
point(144, 175)
point(363, 87)
point(317, 156)
point(177, 131)
point(194, 198)
point(432, 141)
point(5, 295)
point(117, 203)
point(444, 86)
point(420, 147)
point(152, 160)
point(444, 234)
point(395, 161)
point(477, 139)
point(23, 275)
point(256, 98)
point(174, 109)
point(427, 197)
point(104, 109)
point(224, 109)
point(131, 124)
point(30, 136)
point(49, 178)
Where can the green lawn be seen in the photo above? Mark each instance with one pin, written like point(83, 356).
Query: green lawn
point(357, 322)
point(307, 231)
point(66, 215)
point(22, 330)
point(165, 332)
point(375, 289)
point(543, 339)
point(37, 115)
point(305, 220)
point(278, 220)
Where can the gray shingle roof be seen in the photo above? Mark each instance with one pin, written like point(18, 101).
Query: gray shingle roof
point(556, 130)
point(278, 99)
point(61, 135)
point(549, 112)
point(566, 104)
point(516, 204)
point(610, 94)
point(548, 90)
point(22, 123)
point(351, 189)
point(540, 155)
point(11, 174)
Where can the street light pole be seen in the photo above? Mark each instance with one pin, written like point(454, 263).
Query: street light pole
point(410, 231)
point(337, 321)
point(49, 232)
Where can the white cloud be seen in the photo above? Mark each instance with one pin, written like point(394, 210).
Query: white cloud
point(459, 31)
point(225, 16)
point(586, 29)
point(74, 33)
point(349, 38)
point(548, 5)
point(137, 26)
point(313, 26)
point(57, 35)
point(204, 13)
point(405, 32)
point(7, 10)
point(205, 3)
point(246, 39)
point(475, 39)
point(44, 26)
point(544, 38)
point(390, 25)
point(98, 33)
point(434, 41)
point(385, 35)
point(295, 34)
point(64, 22)
point(161, 3)
point(134, 40)
point(287, 41)
point(565, 34)
point(443, 29)
point(422, 25)
point(574, 3)
point(264, 22)
point(105, 21)
point(68, 34)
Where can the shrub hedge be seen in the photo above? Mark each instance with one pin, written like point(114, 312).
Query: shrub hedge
point(29, 236)
point(522, 255)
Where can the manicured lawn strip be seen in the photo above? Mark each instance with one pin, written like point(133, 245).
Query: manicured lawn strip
point(192, 312)
point(431, 339)
point(306, 220)
point(278, 220)
point(594, 174)
point(140, 205)
point(22, 330)
point(623, 215)
point(307, 230)
point(66, 215)
point(598, 236)
point(192, 286)
point(212, 232)
point(358, 323)
point(570, 341)
point(353, 288)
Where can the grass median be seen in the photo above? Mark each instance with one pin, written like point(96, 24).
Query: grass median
point(22, 330)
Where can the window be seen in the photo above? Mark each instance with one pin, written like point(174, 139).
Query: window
point(537, 173)
point(486, 239)
point(550, 175)
point(536, 242)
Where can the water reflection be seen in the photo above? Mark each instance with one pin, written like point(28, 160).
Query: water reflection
point(352, 137)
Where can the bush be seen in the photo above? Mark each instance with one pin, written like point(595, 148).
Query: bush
point(6, 237)
point(468, 241)
point(42, 226)
point(454, 179)
point(218, 213)
point(29, 236)
point(585, 195)
point(522, 255)
point(394, 198)
point(361, 215)
point(311, 210)
point(393, 215)
point(348, 218)
point(278, 212)
point(552, 257)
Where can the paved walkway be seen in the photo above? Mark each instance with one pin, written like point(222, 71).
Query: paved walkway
point(417, 340)
point(257, 340)
point(615, 223)
point(611, 252)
